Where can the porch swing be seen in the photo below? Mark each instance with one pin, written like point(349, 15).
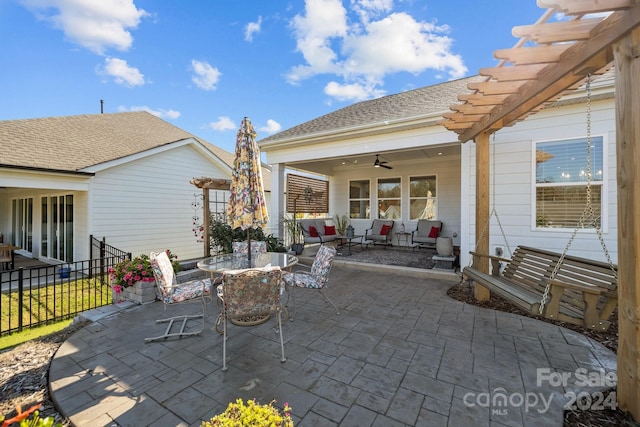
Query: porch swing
point(556, 286)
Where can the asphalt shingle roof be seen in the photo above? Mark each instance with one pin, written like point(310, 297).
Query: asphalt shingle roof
point(72, 143)
point(418, 102)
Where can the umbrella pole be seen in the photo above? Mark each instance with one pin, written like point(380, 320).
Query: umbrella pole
point(249, 246)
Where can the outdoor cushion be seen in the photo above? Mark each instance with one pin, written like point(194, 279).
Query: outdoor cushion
point(375, 233)
point(426, 232)
point(330, 230)
point(313, 231)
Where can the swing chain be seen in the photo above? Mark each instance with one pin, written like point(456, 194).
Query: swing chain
point(588, 212)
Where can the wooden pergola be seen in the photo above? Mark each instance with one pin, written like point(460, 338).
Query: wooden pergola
point(207, 184)
point(550, 60)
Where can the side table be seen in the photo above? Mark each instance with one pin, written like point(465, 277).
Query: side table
point(403, 236)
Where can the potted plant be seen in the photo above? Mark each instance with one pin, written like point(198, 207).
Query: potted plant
point(293, 229)
point(134, 280)
point(342, 221)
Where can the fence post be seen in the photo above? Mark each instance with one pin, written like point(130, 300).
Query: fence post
point(20, 297)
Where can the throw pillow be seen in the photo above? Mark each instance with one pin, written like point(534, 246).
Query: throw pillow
point(385, 230)
point(330, 230)
point(313, 232)
point(434, 232)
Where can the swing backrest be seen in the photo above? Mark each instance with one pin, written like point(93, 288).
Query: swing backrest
point(533, 267)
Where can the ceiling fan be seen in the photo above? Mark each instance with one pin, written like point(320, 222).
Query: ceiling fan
point(381, 163)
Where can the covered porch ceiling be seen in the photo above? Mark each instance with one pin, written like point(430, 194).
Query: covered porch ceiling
point(364, 161)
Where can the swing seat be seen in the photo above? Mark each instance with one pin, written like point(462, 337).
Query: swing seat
point(583, 292)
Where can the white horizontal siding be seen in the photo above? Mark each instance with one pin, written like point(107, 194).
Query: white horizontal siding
point(512, 194)
point(146, 205)
point(446, 170)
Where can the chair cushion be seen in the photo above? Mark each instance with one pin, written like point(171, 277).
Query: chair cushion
point(188, 290)
point(256, 246)
point(319, 274)
point(434, 232)
point(330, 230)
point(251, 292)
point(313, 232)
point(385, 229)
point(301, 280)
point(163, 272)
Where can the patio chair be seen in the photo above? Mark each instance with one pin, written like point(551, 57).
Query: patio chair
point(316, 278)
point(172, 292)
point(247, 293)
point(257, 246)
point(426, 233)
point(380, 232)
point(6, 257)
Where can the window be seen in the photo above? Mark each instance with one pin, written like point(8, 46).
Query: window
point(389, 196)
point(359, 202)
point(561, 177)
point(423, 203)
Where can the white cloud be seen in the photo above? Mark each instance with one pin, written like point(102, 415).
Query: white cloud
point(122, 73)
point(365, 46)
point(95, 25)
point(400, 43)
point(352, 92)
point(271, 127)
point(162, 113)
point(223, 123)
point(367, 9)
point(324, 21)
point(252, 28)
point(205, 76)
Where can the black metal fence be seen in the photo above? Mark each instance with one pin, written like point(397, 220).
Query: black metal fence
point(34, 296)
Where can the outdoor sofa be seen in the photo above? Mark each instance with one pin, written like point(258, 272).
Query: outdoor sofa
point(318, 230)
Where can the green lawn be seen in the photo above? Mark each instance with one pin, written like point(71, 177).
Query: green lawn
point(12, 340)
point(52, 304)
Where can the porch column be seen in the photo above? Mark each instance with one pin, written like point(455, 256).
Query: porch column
point(277, 208)
point(482, 211)
point(627, 67)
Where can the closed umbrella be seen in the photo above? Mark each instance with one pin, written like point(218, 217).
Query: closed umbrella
point(247, 208)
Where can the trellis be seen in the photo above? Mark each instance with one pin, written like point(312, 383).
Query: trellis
point(206, 184)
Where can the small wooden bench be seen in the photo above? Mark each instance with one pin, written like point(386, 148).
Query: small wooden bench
point(583, 292)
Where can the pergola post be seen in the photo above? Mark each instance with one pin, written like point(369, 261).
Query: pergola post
point(627, 63)
point(482, 210)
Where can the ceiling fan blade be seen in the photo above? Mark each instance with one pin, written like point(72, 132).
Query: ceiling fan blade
point(382, 164)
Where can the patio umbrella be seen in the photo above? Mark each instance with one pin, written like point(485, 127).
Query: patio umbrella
point(247, 208)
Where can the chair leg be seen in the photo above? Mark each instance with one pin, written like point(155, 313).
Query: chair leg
point(184, 319)
point(283, 359)
point(323, 292)
point(224, 343)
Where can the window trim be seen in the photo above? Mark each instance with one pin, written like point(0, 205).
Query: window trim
point(399, 198)
point(604, 202)
point(436, 197)
point(349, 199)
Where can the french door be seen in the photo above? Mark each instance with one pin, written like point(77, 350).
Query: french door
point(57, 227)
point(22, 224)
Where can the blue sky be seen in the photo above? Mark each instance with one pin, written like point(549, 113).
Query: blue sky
point(203, 65)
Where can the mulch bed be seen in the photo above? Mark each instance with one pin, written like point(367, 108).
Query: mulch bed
point(464, 293)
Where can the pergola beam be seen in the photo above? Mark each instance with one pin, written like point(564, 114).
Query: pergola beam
point(553, 80)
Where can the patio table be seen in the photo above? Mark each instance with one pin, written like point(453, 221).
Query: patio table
point(234, 262)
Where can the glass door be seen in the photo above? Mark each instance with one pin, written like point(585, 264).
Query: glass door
point(57, 227)
point(22, 226)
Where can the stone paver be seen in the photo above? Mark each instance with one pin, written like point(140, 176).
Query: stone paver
point(400, 353)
